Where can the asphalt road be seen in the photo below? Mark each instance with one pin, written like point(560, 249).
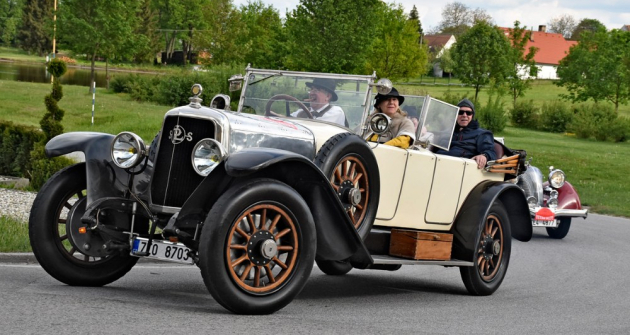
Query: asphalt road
point(579, 285)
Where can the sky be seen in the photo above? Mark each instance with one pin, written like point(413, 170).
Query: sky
point(531, 13)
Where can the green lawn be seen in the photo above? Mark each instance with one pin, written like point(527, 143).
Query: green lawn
point(23, 103)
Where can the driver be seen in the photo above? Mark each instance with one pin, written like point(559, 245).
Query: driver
point(321, 92)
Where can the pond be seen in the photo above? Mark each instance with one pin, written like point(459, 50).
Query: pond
point(37, 73)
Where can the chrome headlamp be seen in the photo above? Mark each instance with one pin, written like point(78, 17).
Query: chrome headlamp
point(556, 178)
point(128, 150)
point(379, 123)
point(206, 155)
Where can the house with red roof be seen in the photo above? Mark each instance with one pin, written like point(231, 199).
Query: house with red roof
point(437, 44)
point(551, 47)
point(626, 27)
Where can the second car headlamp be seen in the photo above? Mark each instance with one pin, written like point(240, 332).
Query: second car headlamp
point(127, 150)
point(379, 123)
point(206, 155)
point(556, 178)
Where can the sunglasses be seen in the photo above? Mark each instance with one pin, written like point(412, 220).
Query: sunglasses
point(469, 113)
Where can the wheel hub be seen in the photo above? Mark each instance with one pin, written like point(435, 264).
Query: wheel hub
point(490, 247)
point(349, 194)
point(262, 248)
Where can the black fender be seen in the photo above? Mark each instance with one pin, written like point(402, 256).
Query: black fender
point(104, 178)
point(337, 239)
point(475, 209)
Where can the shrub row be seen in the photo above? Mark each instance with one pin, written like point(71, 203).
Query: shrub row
point(16, 144)
point(174, 89)
point(584, 120)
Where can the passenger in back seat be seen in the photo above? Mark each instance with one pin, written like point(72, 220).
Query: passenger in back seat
point(469, 140)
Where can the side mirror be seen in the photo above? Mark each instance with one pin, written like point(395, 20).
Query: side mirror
point(236, 82)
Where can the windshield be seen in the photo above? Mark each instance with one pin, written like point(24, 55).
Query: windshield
point(337, 99)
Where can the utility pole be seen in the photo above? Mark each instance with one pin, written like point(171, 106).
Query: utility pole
point(54, 27)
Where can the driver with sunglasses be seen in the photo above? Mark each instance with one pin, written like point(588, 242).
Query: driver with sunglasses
point(470, 141)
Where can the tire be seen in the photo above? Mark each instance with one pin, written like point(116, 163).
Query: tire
point(562, 230)
point(236, 254)
point(334, 268)
point(492, 256)
point(63, 193)
point(350, 166)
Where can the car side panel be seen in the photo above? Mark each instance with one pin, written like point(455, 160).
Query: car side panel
point(415, 191)
point(445, 190)
point(391, 165)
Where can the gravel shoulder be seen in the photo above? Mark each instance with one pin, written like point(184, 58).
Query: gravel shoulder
point(16, 204)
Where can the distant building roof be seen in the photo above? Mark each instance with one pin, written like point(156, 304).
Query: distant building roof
point(552, 47)
point(437, 43)
point(626, 27)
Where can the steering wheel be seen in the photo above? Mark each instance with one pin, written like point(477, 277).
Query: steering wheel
point(287, 98)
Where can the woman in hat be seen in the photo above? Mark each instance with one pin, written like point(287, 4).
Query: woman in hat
point(401, 131)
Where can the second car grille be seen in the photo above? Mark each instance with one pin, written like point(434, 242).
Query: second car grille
point(174, 178)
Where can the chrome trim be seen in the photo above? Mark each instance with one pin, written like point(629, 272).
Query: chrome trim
point(562, 212)
point(531, 183)
point(164, 209)
point(383, 259)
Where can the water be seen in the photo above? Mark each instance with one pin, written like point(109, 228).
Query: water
point(37, 73)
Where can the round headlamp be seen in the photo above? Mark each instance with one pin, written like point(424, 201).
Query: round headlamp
point(556, 178)
point(532, 201)
point(379, 123)
point(206, 155)
point(128, 150)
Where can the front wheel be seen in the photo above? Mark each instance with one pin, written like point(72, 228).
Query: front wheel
point(257, 247)
point(494, 243)
point(61, 201)
point(561, 231)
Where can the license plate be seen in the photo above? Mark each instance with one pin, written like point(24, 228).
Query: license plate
point(544, 223)
point(164, 250)
point(544, 218)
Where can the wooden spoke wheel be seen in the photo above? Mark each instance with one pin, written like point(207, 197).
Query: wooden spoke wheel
point(262, 248)
point(350, 180)
point(490, 250)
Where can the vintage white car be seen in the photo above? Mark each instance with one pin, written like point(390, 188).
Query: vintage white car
point(256, 195)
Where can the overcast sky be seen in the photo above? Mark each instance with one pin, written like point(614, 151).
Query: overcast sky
point(531, 13)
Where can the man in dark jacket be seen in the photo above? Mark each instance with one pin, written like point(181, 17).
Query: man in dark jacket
point(470, 141)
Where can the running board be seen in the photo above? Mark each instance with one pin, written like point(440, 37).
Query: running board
point(384, 259)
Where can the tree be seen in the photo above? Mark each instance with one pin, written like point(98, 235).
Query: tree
point(396, 52)
point(480, 56)
point(325, 35)
point(563, 24)
point(522, 63)
point(10, 20)
point(597, 68)
point(446, 63)
point(97, 28)
point(413, 16)
point(591, 25)
point(457, 18)
point(179, 19)
point(263, 39)
point(35, 34)
point(224, 33)
point(146, 38)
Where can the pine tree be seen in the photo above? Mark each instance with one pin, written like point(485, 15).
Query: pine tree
point(36, 31)
point(413, 16)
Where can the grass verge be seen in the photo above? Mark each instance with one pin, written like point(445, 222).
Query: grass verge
point(13, 235)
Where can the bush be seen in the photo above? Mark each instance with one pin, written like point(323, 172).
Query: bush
point(595, 120)
point(174, 89)
point(16, 143)
point(452, 98)
point(555, 117)
point(42, 168)
point(492, 116)
point(525, 115)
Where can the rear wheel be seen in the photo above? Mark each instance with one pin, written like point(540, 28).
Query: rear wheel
point(257, 247)
point(492, 256)
point(60, 204)
point(562, 230)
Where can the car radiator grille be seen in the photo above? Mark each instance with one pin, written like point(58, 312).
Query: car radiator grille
point(174, 178)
